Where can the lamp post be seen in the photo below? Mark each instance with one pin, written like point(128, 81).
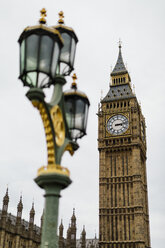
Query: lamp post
point(46, 57)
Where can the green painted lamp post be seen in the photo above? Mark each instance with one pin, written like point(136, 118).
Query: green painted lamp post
point(46, 57)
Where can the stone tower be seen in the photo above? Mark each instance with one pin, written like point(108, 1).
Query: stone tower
point(83, 238)
point(123, 200)
point(31, 217)
point(73, 230)
point(19, 211)
point(61, 237)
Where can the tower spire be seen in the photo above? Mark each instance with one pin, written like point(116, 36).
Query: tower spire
point(119, 67)
point(61, 228)
point(83, 238)
point(5, 208)
point(32, 214)
point(19, 208)
point(73, 218)
point(120, 42)
point(5, 201)
point(73, 230)
point(61, 238)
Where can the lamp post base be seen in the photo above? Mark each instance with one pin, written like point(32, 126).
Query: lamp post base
point(52, 183)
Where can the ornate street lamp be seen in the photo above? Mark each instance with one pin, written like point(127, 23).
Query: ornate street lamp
point(46, 56)
point(76, 110)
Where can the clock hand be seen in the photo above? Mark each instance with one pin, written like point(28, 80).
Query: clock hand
point(119, 124)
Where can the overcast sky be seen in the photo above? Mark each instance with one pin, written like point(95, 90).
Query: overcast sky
point(98, 25)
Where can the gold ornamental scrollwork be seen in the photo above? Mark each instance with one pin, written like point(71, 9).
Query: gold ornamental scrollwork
point(58, 123)
point(48, 132)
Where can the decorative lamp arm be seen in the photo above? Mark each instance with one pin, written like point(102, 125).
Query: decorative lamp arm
point(55, 130)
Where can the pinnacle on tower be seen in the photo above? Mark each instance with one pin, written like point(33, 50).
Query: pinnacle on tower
point(32, 213)
point(119, 67)
point(83, 231)
point(73, 215)
point(61, 239)
point(61, 228)
point(19, 207)
point(61, 225)
point(5, 201)
point(83, 238)
point(73, 219)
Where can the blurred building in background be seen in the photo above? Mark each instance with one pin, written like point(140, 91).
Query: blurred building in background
point(15, 232)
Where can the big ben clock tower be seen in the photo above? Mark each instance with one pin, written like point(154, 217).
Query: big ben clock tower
point(123, 199)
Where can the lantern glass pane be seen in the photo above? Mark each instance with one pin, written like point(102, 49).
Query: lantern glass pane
point(73, 49)
point(64, 69)
point(32, 52)
point(69, 108)
point(79, 114)
point(86, 116)
point(65, 51)
point(45, 53)
point(55, 59)
point(43, 79)
point(31, 78)
point(22, 64)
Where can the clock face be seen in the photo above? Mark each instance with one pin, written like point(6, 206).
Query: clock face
point(117, 124)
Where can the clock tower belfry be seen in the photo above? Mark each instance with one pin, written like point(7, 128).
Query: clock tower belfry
point(123, 199)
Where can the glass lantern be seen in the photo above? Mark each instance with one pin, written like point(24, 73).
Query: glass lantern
point(67, 56)
point(76, 108)
point(40, 48)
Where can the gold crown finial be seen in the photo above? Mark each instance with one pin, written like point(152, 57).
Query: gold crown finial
point(74, 84)
point(120, 42)
point(61, 17)
point(43, 15)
